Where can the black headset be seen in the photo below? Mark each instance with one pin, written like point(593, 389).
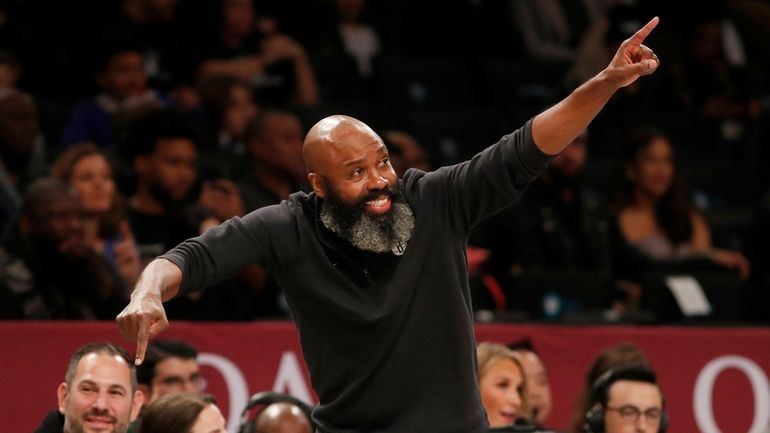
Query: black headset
point(595, 416)
point(266, 398)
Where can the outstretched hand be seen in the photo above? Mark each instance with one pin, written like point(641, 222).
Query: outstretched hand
point(142, 319)
point(633, 59)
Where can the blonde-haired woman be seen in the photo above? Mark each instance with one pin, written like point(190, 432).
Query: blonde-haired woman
point(501, 383)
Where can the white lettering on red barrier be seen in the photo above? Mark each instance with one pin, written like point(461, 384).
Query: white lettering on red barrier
point(289, 378)
point(237, 390)
point(704, 387)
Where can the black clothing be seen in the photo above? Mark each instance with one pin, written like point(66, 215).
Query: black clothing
point(544, 229)
point(555, 241)
point(389, 340)
point(52, 423)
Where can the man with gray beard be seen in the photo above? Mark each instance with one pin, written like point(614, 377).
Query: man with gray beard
point(375, 233)
point(374, 268)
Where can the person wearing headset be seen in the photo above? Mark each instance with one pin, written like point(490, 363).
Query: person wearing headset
point(276, 413)
point(626, 400)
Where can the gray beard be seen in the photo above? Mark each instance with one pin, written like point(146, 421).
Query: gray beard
point(367, 235)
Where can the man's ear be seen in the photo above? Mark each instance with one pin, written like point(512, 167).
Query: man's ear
point(318, 184)
point(146, 392)
point(62, 393)
point(136, 404)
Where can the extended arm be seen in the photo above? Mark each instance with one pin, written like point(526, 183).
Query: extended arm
point(555, 128)
point(197, 263)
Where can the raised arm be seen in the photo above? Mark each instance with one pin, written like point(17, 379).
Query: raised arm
point(556, 127)
point(144, 317)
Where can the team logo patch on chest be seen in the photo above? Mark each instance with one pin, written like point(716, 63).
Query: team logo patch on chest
point(399, 248)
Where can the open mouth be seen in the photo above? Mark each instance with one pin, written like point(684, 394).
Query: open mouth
point(378, 206)
point(509, 417)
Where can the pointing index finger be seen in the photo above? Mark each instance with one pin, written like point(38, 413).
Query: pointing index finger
point(642, 33)
point(141, 342)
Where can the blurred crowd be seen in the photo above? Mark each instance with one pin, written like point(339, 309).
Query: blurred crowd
point(127, 126)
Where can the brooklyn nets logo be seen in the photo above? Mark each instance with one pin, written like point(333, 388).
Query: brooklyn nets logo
point(399, 248)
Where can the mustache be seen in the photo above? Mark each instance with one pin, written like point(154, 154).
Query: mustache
point(391, 192)
point(100, 413)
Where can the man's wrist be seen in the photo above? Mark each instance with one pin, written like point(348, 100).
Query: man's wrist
point(601, 87)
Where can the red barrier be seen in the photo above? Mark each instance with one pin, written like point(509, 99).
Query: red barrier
point(714, 379)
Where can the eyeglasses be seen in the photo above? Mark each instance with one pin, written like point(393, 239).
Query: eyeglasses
point(630, 414)
point(178, 382)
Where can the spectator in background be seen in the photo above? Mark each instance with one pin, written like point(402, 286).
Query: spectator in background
point(275, 170)
point(22, 150)
point(358, 38)
point(98, 393)
point(166, 209)
point(88, 169)
point(276, 167)
point(633, 105)
point(552, 30)
point(183, 413)
point(276, 413)
point(658, 225)
point(22, 154)
point(276, 65)
point(230, 107)
point(154, 26)
point(614, 357)
point(714, 79)
point(538, 385)
point(283, 418)
point(50, 270)
point(560, 223)
point(609, 26)
point(124, 96)
point(347, 51)
point(625, 400)
point(502, 384)
point(171, 367)
point(162, 148)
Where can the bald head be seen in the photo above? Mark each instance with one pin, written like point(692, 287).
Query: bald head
point(283, 418)
point(330, 135)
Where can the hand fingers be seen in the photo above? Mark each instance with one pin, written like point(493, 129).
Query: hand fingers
point(126, 326)
point(645, 67)
point(645, 52)
point(158, 326)
point(641, 34)
point(142, 336)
